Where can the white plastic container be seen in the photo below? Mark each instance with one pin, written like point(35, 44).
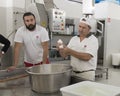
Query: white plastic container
point(89, 88)
point(116, 59)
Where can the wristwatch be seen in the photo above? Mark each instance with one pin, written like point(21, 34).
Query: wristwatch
point(3, 52)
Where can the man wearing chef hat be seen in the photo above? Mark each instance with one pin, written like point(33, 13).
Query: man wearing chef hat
point(83, 51)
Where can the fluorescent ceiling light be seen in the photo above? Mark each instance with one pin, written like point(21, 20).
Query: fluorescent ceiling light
point(78, 1)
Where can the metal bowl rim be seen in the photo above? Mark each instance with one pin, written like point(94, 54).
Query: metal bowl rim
point(34, 73)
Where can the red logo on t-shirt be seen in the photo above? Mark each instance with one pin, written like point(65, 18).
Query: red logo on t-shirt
point(37, 37)
point(85, 46)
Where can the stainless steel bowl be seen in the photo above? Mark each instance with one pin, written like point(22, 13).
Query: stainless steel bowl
point(48, 78)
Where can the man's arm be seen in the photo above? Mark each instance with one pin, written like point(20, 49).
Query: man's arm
point(45, 46)
point(83, 56)
point(17, 48)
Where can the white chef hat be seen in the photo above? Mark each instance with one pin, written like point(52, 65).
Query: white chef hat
point(86, 21)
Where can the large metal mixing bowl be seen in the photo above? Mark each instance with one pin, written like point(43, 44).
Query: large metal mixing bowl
point(48, 78)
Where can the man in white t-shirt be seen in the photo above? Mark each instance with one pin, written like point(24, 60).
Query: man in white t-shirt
point(35, 40)
point(83, 51)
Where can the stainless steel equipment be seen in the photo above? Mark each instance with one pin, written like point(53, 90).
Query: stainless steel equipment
point(49, 78)
point(56, 20)
point(12, 75)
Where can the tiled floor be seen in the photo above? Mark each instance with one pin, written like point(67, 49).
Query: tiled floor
point(21, 87)
point(113, 77)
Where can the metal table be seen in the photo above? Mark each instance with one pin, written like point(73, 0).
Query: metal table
point(46, 94)
point(100, 71)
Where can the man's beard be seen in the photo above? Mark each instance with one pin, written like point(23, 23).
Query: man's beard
point(31, 27)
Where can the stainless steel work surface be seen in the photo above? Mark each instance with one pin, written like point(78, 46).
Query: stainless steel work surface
point(46, 94)
point(6, 76)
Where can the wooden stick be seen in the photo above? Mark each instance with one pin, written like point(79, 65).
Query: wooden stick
point(14, 77)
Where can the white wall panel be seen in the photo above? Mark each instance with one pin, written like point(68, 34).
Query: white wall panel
point(2, 3)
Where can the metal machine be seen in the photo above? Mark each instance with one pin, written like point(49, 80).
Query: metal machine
point(56, 20)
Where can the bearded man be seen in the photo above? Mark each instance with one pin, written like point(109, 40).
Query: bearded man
point(35, 40)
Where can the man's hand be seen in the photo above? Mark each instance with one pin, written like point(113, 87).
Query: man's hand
point(64, 51)
point(1, 53)
point(11, 68)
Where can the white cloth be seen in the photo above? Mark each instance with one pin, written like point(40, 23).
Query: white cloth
point(32, 43)
point(88, 45)
point(86, 75)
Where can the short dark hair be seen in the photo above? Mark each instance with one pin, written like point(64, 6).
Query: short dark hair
point(28, 14)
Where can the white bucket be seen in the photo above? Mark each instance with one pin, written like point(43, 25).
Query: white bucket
point(116, 59)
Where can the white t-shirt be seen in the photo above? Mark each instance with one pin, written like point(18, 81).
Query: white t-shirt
point(33, 51)
point(88, 45)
